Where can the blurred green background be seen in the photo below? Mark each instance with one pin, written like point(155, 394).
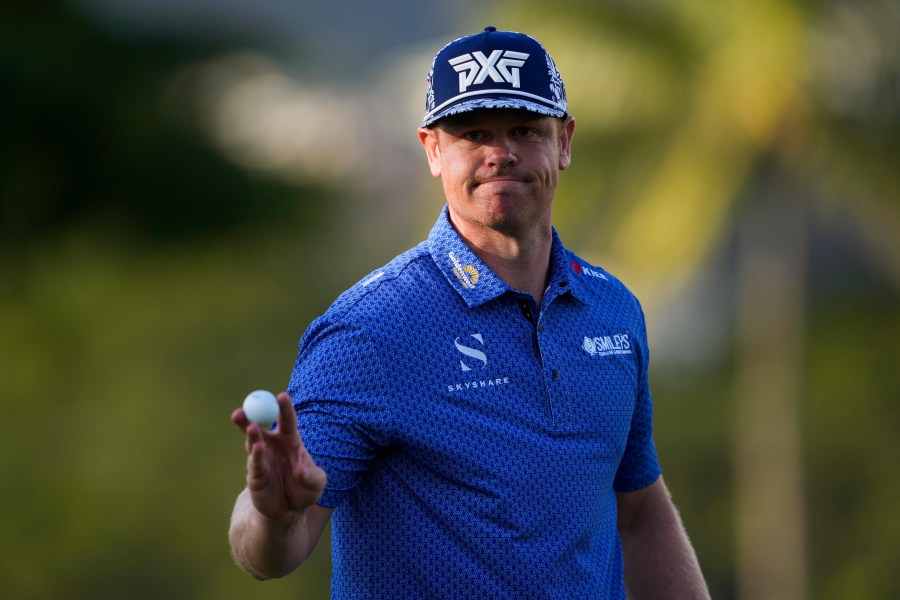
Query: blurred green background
point(185, 185)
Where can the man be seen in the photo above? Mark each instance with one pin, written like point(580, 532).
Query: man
point(480, 405)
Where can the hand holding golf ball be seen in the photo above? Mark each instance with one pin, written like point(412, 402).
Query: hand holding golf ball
point(261, 407)
point(282, 477)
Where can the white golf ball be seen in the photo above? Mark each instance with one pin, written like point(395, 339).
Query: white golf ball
point(261, 407)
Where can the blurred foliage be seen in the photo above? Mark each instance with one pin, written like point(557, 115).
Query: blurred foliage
point(121, 366)
point(682, 108)
point(86, 139)
point(678, 102)
point(146, 283)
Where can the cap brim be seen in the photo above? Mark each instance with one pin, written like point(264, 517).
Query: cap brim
point(488, 103)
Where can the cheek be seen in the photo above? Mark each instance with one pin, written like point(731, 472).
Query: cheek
point(454, 172)
point(451, 180)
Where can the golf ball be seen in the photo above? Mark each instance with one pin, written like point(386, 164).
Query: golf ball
point(261, 407)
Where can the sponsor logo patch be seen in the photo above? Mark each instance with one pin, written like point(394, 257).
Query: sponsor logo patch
point(607, 345)
point(471, 352)
point(580, 269)
point(467, 274)
point(502, 66)
point(373, 278)
point(474, 359)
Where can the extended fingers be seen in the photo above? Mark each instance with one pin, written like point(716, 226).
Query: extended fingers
point(254, 436)
point(287, 416)
point(257, 463)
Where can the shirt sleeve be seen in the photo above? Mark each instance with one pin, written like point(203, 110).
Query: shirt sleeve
point(342, 397)
point(640, 464)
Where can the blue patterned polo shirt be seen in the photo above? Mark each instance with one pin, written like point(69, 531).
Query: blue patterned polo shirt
point(474, 441)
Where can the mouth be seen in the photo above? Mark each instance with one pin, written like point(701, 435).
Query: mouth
point(500, 186)
point(502, 179)
point(499, 180)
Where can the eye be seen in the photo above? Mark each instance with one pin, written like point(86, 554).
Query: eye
point(523, 131)
point(474, 136)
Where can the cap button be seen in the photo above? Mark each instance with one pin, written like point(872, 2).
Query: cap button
point(489, 29)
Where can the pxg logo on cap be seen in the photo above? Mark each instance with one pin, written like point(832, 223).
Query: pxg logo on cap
point(494, 69)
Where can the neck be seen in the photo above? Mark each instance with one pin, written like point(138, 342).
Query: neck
point(521, 261)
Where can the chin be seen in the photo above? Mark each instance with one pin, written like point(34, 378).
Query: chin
point(511, 222)
point(508, 214)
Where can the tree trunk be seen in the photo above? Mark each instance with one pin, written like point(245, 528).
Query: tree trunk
point(770, 291)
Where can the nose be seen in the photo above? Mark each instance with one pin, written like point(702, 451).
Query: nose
point(501, 152)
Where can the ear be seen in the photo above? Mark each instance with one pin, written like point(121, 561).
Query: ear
point(429, 138)
point(566, 131)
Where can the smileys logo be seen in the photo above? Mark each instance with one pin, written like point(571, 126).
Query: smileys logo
point(467, 274)
point(607, 345)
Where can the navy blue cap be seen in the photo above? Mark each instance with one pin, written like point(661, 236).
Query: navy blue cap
point(493, 69)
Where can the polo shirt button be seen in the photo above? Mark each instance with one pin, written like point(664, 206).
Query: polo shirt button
point(540, 328)
point(555, 373)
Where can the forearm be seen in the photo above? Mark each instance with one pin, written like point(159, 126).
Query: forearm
point(660, 561)
point(266, 548)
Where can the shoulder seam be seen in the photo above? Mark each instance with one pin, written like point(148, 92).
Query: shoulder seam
point(383, 281)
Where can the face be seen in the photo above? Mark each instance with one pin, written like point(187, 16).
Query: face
point(499, 168)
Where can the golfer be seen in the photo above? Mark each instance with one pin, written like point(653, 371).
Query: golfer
point(474, 418)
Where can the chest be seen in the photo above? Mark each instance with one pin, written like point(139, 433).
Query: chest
point(505, 396)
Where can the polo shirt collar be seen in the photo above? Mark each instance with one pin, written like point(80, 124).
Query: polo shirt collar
point(563, 274)
point(475, 282)
point(469, 276)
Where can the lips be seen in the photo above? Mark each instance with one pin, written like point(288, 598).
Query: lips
point(501, 186)
point(501, 178)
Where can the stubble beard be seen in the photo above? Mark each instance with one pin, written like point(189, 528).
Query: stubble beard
point(515, 213)
point(507, 215)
